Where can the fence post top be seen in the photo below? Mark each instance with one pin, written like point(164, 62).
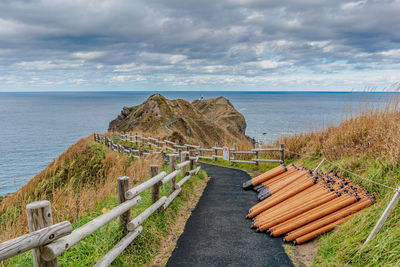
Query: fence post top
point(38, 204)
point(122, 178)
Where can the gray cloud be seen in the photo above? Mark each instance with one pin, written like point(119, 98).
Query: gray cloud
point(186, 44)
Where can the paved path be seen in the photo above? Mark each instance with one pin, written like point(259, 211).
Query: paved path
point(217, 233)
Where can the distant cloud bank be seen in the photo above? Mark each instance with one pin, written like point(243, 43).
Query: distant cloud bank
point(198, 45)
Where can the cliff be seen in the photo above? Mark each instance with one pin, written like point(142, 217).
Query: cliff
point(206, 121)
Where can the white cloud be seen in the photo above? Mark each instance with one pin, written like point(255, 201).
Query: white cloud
point(48, 65)
point(121, 78)
point(164, 58)
point(88, 55)
point(395, 53)
point(78, 81)
point(351, 5)
point(125, 67)
point(267, 64)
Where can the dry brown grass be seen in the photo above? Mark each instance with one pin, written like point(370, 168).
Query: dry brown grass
point(91, 179)
point(368, 132)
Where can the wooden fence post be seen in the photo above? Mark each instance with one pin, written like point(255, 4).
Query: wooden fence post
point(39, 216)
point(186, 167)
point(140, 152)
point(282, 154)
point(191, 165)
point(172, 167)
point(256, 156)
point(215, 151)
point(180, 155)
point(234, 150)
point(123, 186)
point(136, 139)
point(385, 215)
point(200, 147)
point(155, 189)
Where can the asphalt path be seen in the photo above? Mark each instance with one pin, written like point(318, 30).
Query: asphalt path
point(217, 233)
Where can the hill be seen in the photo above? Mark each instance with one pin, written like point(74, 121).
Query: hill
point(81, 185)
point(206, 121)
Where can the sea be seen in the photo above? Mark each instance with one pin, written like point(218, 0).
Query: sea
point(36, 127)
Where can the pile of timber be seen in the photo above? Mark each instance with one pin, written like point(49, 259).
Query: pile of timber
point(302, 204)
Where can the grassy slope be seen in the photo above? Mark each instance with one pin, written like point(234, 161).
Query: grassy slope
point(90, 183)
point(366, 144)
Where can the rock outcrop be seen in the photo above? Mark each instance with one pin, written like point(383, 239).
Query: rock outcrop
point(207, 121)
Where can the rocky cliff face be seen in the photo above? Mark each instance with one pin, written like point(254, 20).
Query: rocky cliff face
point(206, 121)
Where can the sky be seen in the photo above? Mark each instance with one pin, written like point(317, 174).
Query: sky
point(256, 45)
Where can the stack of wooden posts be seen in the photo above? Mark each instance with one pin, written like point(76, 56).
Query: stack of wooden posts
point(302, 203)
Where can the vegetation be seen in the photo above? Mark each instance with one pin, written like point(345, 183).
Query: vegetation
point(81, 185)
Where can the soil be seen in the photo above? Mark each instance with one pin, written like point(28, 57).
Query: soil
point(302, 255)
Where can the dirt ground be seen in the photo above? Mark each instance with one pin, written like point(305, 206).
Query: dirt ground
point(302, 255)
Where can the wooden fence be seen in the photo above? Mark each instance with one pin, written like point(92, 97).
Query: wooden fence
point(48, 241)
point(164, 146)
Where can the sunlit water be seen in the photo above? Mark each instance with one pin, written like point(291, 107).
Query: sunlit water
point(37, 127)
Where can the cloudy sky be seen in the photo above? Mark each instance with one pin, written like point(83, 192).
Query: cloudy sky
point(198, 45)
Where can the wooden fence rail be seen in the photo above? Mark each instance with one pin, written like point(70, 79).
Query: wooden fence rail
point(166, 146)
point(48, 241)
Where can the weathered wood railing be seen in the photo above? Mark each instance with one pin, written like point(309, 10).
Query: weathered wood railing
point(167, 146)
point(48, 241)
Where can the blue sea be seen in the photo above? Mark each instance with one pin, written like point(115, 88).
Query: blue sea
point(35, 128)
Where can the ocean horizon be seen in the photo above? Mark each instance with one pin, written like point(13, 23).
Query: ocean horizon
point(36, 127)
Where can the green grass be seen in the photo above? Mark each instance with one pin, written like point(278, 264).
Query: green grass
point(142, 250)
point(132, 144)
point(345, 244)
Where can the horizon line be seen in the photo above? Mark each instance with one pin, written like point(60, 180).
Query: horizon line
point(241, 91)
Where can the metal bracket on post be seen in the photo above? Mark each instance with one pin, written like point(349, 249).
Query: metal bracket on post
point(384, 216)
